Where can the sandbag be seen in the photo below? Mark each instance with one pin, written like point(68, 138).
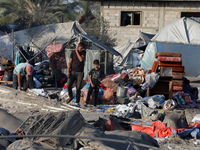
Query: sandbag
point(9, 122)
point(176, 119)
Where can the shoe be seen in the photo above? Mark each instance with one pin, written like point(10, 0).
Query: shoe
point(68, 100)
point(78, 105)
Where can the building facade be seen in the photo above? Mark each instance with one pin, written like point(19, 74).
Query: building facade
point(127, 17)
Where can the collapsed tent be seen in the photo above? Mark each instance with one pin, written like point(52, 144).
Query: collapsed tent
point(132, 52)
point(181, 36)
point(69, 34)
point(40, 37)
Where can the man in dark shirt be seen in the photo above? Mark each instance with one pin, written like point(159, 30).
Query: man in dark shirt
point(75, 71)
point(95, 76)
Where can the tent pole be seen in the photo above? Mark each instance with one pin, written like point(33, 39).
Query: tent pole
point(16, 45)
point(55, 73)
point(105, 64)
point(13, 46)
point(40, 50)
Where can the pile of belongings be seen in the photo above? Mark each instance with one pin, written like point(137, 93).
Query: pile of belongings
point(74, 124)
point(6, 71)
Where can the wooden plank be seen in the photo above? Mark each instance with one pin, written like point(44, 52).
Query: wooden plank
point(177, 75)
point(155, 66)
point(178, 69)
point(177, 82)
point(170, 90)
point(8, 82)
point(169, 64)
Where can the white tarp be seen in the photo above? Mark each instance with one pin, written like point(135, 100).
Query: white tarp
point(181, 36)
point(184, 30)
point(40, 37)
point(130, 55)
point(131, 52)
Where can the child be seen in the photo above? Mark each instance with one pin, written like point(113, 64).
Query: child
point(95, 75)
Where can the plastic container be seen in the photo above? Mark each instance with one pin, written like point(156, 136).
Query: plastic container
point(122, 91)
point(111, 111)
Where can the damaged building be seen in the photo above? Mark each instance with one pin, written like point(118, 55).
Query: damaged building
point(126, 18)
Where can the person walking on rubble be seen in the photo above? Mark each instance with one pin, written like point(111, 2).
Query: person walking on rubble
point(75, 71)
point(20, 78)
point(95, 76)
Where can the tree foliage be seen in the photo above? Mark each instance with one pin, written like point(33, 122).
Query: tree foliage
point(31, 13)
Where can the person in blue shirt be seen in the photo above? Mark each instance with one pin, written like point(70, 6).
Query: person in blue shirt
point(19, 76)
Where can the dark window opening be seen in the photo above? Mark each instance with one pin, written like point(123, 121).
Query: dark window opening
point(130, 18)
point(190, 14)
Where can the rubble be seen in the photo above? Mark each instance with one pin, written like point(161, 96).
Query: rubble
point(136, 108)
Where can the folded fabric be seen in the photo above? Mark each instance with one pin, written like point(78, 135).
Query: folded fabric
point(171, 59)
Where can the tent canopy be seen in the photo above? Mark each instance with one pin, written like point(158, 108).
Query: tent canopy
point(40, 37)
point(132, 51)
point(181, 36)
point(184, 30)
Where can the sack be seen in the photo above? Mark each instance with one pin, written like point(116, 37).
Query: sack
point(8, 76)
point(108, 97)
point(83, 97)
point(37, 83)
point(6, 62)
point(110, 84)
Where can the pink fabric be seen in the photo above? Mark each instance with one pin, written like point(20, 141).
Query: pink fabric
point(56, 54)
point(177, 88)
point(171, 59)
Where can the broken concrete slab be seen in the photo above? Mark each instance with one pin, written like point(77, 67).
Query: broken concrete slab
point(9, 122)
point(70, 126)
